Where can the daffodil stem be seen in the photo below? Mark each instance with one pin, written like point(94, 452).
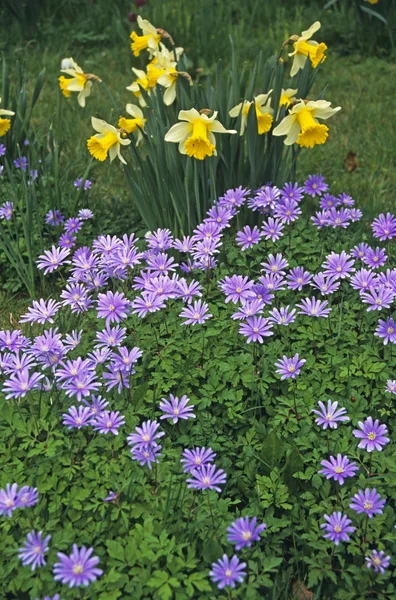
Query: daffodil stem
point(111, 98)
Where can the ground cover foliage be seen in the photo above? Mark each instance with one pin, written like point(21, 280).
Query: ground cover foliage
point(156, 537)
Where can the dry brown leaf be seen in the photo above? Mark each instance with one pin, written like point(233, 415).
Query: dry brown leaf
point(301, 592)
point(351, 162)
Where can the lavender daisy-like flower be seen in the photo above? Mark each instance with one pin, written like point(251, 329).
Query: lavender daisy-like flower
point(9, 499)
point(54, 217)
point(346, 200)
point(337, 527)
point(196, 313)
point(33, 550)
point(363, 280)
point(146, 435)
point(326, 285)
point(106, 422)
point(207, 477)
point(297, 278)
point(41, 312)
point(2, 149)
point(236, 288)
point(85, 213)
point(330, 415)
point(27, 496)
point(256, 328)
point(292, 191)
point(234, 197)
point(360, 250)
point(371, 434)
point(314, 307)
point(386, 330)
point(52, 259)
point(339, 218)
point(355, 214)
point(87, 183)
point(20, 383)
point(78, 569)
point(72, 225)
point(338, 265)
point(338, 468)
point(6, 210)
point(384, 227)
point(320, 219)
point(149, 302)
point(378, 561)
point(282, 316)
point(315, 185)
point(289, 368)
point(244, 531)
point(195, 459)
point(146, 455)
point(273, 229)
point(328, 201)
point(379, 298)
point(176, 409)
point(375, 258)
point(275, 264)
point(248, 309)
point(248, 237)
point(227, 572)
point(112, 497)
point(287, 211)
point(21, 163)
point(76, 418)
point(368, 502)
point(391, 386)
point(113, 307)
point(67, 240)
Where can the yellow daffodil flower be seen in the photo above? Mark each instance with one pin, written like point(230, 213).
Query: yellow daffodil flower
point(141, 82)
point(304, 47)
point(196, 136)
point(80, 82)
point(264, 113)
point(372, 1)
point(107, 141)
point(301, 124)
point(135, 124)
point(5, 124)
point(169, 75)
point(287, 97)
point(148, 41)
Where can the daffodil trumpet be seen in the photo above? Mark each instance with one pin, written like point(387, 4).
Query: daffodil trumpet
point(5, 124)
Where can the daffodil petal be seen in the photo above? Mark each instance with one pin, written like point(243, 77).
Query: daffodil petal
point(178, 132)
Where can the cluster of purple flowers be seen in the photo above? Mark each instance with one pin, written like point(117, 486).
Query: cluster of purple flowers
point(144, 446)
point(68, 239)
point(13, 497)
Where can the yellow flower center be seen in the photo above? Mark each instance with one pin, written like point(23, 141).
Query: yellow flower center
point(371, 436)
point(77, 569)
point(264, 121)
point(153, 74)
point(197, 461)
point(198, 144)
point(99, 147)
point(247, 535)
point(390, 330)
point(368, 505)
point(141, 42)
point(9, 502)
point(196, 315)
point(37, 549)
point(206, 480)
point(312, 132)
point(109, 424)
point(255, 329)
point(63, 83)
point(377, 561)
point(291, 368)
point(78, 420)
point(316, 54)
point(228, 573)
point(146, 438)
point(337, 529)
point(338, 470)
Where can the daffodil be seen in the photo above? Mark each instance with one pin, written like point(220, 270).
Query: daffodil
point(107, 141)
point(264, 113)
point(304, 47)
point(301, 124)
point(169, 75)
point(141, 83)
point(135, 124)
point(287, 97)
point(372, 1)
point(196, 136)
point(77, 82)
point(5, 124)
point(148, 41)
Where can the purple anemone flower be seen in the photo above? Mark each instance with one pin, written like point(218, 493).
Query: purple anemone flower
point(207, 477)
point(282, 316)
point(41, 312)
point(149, 302)
point(244, 531)
point(146, 435)
point(360, 250)
point(378, 561)
point(330, 416)
point(326, 285)
point(9, 499)
point(275, 264)
point(328, 201)
point(196, 313)
point(33, 550)
point(338, 468)
point(256, 328)
point(236, 288)
point(146, 455)
point(363, 280)
point(289, 368)
point(338, 265)
point(27, 496)
point(292, 191)
point(369, 502)
point(77, 417)
point(314, 308)
point(273, 229)
point(176, 409)
point(248, 309)
point(112, 497)
point(77, 569)
point(248, 237)
point(51, 259)
point(375, 258)
point(107, 422)
point(20, 383)
point(337, 527)
point(6, 210)
point(226, 572)
point(297, 278)
point(54, 217)
point(379, 298)
point(371, 434)
point(391, 386)
point(287, 211)
point(195, 459)
point(87, 183)
point(384, 227)
point(113, 307)
point(315, 185)
point(320, 219)
point(339, 218)
point(386, 330)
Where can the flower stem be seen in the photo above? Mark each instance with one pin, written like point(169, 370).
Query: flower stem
point(210, 510)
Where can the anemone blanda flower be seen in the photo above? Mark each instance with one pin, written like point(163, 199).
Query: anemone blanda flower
point(287, 211)
point(146, 435)
point(77, 417)
point(273, 229)
point(297, 278)
point(386, 330)
point(378, 561)
point(372, 434)
point(337, 528)
point(51, 259)
point(289, 368)
point(175, 409)
point(275, 265)
point(379, 298)
point(113, 307)
point(248, 237)
point(326, 285)
point(195, 135)
point(78, 569)
point(375, 258)
point(391, 386)
point(149, 302)
point(33, 550)
point(41, 312)
point(107, 421)
point(301, 125)
point(9, 499)
point(368, 502)
point(338, 265)
point(384, 227)
point(27, 496)
point(197, 458)
point(227, 572)
point(146, 455)
point(314, 307)
point(256, 328)
point(207, 477)
point(236, 288)
point(282, 316)
point(315, 185)
point(248, 309)
point(338, 468)
point(20, 383)
point(244, 531)
point(196, 313)
point(330, 415)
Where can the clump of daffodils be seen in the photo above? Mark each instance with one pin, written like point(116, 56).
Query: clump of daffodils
point(195, 134)
point(5, 124)
point(78, 81)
